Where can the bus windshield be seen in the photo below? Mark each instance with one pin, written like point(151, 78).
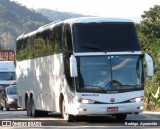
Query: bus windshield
point(105, 37)
point(110, 73)
point(12, 90)
point(7, 76)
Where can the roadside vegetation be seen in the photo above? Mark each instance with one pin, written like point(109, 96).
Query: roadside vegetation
point(149, 34)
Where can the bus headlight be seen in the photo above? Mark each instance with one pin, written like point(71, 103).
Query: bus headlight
point(86, 101)
point(138, 99)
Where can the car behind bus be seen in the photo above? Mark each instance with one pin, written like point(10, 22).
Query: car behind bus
point(8, 98)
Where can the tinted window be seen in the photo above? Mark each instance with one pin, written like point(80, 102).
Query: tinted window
point(41, 44)
point(11, 90)
point(7, 76)
point(22, 50)
point(107, 37)
point(48, 42)
point(67, 53)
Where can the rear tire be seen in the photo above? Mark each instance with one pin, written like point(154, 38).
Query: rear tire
point(28, 108)
point(65, 115)
point(34, 112)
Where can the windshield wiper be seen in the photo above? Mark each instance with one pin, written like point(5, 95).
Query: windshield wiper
point(93, 47)
point(133, 86)
point(95, 86)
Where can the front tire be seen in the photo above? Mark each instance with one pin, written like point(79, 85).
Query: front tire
point(65, 115)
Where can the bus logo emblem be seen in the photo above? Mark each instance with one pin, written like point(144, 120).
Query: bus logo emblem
point(112, 100)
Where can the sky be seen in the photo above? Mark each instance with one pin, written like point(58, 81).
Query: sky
point(106, 8)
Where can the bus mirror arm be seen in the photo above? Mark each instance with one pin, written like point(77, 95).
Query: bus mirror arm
point(149, 63)
point(73, 66)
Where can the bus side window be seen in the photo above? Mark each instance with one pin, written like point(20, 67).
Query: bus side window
point(22, 50)
point(57, 32)
point(67, 53)
point(30, 47)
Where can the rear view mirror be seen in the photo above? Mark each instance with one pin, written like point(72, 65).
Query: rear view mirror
point(73, 66)
point(149, 63)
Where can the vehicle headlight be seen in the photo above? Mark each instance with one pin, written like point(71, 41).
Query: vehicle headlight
point(137, 99)
point(86, 101)
point(10, 99)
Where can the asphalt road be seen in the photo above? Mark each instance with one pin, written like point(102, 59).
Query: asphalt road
point(17, 119)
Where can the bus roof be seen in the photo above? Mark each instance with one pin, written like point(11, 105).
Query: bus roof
point(72, 21)
point(95, 19)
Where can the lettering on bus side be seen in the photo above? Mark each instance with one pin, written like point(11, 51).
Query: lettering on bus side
point(90, 94)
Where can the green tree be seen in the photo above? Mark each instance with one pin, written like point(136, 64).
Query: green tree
point(149, 34)
point(150, 26)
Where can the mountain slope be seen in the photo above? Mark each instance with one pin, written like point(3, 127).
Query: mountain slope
point(15, 20)
point(53, 15)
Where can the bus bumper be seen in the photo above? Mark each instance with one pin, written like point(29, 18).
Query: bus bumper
point(107, 109)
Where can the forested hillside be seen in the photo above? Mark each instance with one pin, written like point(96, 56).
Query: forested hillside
point(53, 15)
point(16, 19)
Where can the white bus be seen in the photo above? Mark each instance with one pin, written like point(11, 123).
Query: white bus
point(82, 66)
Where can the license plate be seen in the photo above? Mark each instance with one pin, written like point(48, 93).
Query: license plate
point(112, 109)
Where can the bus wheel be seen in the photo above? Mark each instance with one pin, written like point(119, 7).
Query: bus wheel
point(65, 115)
point(28, 107)
point(121, 117)
point(33, 111)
